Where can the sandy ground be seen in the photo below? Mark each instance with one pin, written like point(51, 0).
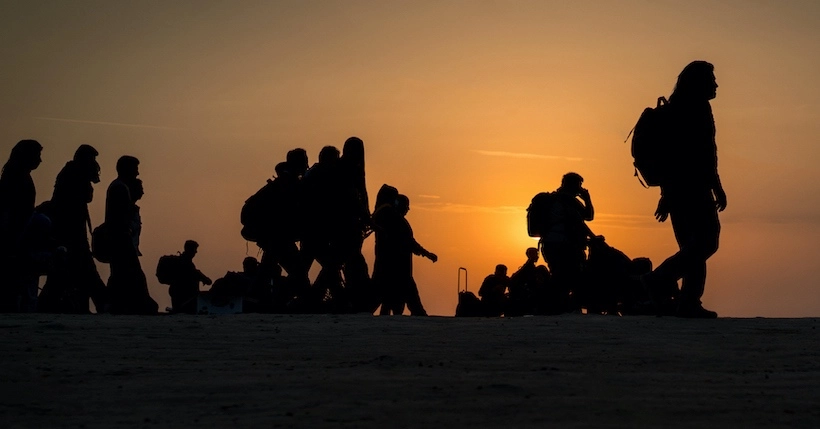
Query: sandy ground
point(361, 371)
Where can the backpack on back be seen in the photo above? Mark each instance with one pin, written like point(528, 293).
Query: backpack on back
point(258, 212)
point(651, 143)
point(168, 269)
point(101, 243)
point(538, 214)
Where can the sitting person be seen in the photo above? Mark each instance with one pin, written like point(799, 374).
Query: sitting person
point(493, 291)
point(525, 288)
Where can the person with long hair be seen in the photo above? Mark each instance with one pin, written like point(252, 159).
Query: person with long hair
point(691, 192)
point(17, 196)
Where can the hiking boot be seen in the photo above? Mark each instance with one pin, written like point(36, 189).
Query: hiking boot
point(695, 312)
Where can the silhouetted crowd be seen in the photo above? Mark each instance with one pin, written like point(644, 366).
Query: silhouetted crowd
point(321, 214)
point(304, 215)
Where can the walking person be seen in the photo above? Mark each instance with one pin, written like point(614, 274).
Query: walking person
point(17, 196)
point(70, 284)
point(691, 190)
point(127, 285)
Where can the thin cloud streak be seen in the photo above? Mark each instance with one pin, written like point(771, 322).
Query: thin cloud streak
point(435, 197)
point(526, 155)
point(467, 208)
point(115, 124)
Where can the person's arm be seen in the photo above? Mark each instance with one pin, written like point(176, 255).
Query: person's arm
point(717, 187)
point(421, 251)
point(118, 207)
point(662, 212)
point(203, 278)
point(589, 211)
point(720, 195)
point(484, 286)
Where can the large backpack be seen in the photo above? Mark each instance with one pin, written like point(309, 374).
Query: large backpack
point(168, 270)
point(101, 243)
point(651, 143)
point(538, 214)
point(258, 212)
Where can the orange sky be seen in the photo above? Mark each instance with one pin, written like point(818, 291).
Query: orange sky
point(469, 108)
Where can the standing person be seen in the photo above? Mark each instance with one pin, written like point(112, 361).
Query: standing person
point(352, 226)
point(394, 259)
point(17, 196)
point(691, 191)
point(127, 286)
point(321, 193)
point(283, 226)
point(71, 284)
point(492, 291)
point(564, 242)
point(184, 288)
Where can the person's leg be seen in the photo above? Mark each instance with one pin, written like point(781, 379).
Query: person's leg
point(561, 261)
point(701, 243)
point(413, 299)
point(289, 259)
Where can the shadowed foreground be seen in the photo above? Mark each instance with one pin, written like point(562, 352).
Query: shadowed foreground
point(361, 371)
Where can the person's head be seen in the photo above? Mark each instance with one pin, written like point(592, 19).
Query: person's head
point(328, 155)
point(25, 156)
point(695, 83)
point(86, 156)
point(402, 204)
point(542, 272)
point(250, 265)
point(281, 168)
point(128, 167)
point(387, 195)
point(501, 270)
point(571, 182)
point(297, 161)
point(532, 254)
point(353, 150)
point(136, 189)
point(190, 248)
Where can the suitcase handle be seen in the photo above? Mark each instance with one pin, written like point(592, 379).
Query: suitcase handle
point(460, 269)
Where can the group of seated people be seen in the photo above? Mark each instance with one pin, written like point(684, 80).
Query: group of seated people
point(610, 284)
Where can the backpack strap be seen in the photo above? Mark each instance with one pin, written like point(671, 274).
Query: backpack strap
point(662, 101)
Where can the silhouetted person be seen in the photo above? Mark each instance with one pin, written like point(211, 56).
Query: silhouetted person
point(691, 191)
point(351, 226)
point(384, 215)
point(184, 290)
point(607, 279)
point(493, 290)
point(322, 195)
point(17, 196)
point(524, 287)
point(241, 283)
point(661, 300)
point(278, 241)
point(393, 267)
point(564, 242)
point(70, 285)
point(127, 286)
